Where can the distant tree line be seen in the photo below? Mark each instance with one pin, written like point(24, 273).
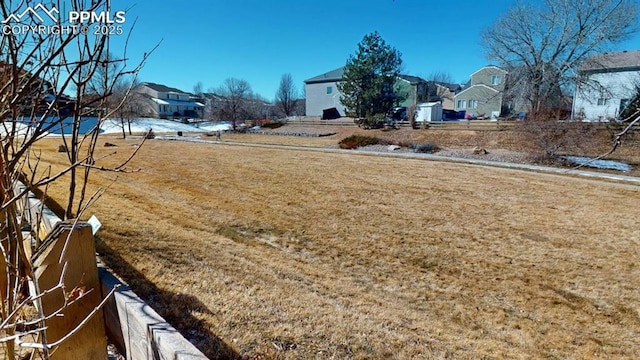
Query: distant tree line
point(235, 101)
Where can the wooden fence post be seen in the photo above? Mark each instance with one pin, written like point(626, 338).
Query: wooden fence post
point(74, 246)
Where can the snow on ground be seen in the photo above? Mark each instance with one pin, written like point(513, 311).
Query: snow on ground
point(20, 129)
point(143, 125)
point(598, 164)
point(213, 126)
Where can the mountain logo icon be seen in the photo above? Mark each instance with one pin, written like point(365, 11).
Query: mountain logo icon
point(37, 12)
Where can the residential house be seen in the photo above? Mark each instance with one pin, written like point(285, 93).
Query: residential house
point(483, 96)
point(415, 88)
point(610, 82)
point(322, 93)
point(444, 93)
point(212, 105)
point(157, 100)
point(38, 97)
point(420, 91)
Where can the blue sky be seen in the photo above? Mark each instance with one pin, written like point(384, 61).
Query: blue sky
point(258, 41)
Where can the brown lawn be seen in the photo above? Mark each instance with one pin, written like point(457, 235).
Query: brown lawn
point(280, 253)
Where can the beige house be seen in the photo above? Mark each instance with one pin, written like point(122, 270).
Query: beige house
point(445, 93)
point(483, 96)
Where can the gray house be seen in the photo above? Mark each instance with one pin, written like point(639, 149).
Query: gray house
point(483, 96)
point(322, 93)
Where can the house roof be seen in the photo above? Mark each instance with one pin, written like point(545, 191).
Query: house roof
point(176, 102)
point(331, 76)
point(213, 96)
point(163, 88)
point(412, 79)
point(607, 62)
point(490, 66)
point(475, 87)
point(451, 87)
point(336, 75)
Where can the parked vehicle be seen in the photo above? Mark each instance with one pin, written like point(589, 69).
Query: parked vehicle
point(399, 113)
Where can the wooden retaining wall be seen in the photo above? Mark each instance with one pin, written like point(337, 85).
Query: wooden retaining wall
point(137, 331)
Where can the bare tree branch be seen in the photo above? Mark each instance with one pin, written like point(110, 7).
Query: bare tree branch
point(541, 44)
point(286, 95)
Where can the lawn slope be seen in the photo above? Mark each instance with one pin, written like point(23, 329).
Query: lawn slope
point(300, 254)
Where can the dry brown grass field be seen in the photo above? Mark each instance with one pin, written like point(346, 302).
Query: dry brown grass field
point(278, 253)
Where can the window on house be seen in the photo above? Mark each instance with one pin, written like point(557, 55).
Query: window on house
point(603, 101)
point(329, 90)
point(496, 79)
point(473, 104)
point(461, 104)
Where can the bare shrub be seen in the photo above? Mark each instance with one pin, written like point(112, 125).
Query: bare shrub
point(547, 138)
point(356, 141)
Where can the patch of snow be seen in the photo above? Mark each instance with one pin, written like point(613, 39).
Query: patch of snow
point(21, 129)
point(214, 126)
point(114, 126)
point(598, 164)
point(111, 126)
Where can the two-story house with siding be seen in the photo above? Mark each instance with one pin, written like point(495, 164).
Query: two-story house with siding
point(444, 93)
point(415, 88)
point(322, 93)
point(166, 102)
point(483, 96)
point(610, 82)
point(419, 90)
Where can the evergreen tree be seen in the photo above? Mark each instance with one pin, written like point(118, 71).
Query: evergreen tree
point(368, 84)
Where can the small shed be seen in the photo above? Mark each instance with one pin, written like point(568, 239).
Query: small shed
point(431, 111)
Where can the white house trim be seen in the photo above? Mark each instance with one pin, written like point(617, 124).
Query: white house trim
point(490, 67)
point(477, 85)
